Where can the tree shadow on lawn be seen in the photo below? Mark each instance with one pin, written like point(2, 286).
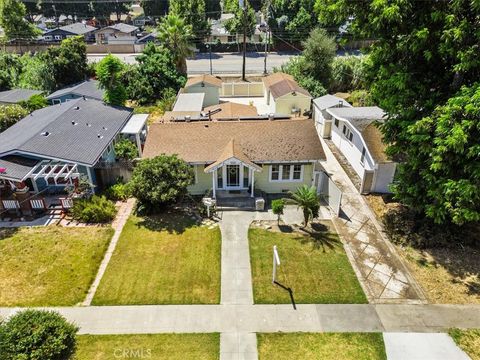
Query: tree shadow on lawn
point(172, 221)
point(321, 239)
point(6, 233)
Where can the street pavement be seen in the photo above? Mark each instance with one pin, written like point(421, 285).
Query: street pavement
point(222, 63)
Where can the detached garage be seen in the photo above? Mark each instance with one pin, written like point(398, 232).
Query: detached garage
point(355, 133)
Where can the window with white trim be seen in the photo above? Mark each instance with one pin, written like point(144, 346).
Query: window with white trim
point(337, 123)
point(347, 132)
point(285, 173)
point(362, 158)
point(275, 173)
point(58, 37)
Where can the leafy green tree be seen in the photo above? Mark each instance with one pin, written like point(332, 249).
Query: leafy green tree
point(37, 334)
point(291, 20)
point(423, 54)
point(313, 68)
point(126, 149)
point(10, 70)
point(56, 67)
point(349, 73)
point(443, 171)
point(161, 181)
point(306, 198)
point(242, 18)
point(32, 9)
point(13, 23)
point(109, 75)
point(176, 35)
point(11, 114)
point(193, 13)
point(278, 205)
point(36, 102)
point(213, 9)
point(154, 8)
point(156, 72)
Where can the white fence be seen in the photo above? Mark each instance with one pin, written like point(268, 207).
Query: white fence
point(242, 89)
point(329, 191)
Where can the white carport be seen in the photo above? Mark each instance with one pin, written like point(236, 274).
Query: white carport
point(137, 128)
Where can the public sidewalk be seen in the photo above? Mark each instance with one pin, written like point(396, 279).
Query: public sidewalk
point(268, 318)
point(383, 275)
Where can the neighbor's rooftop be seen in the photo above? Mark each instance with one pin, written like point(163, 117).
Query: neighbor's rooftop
point(88, 88)
point(78, 131)
point(15, 96)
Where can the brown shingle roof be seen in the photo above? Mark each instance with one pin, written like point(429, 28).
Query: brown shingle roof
point(233, 150)
point(232, 110)
point(373, 138)
point(261, 141)
point(205, 78)
point(281, 84)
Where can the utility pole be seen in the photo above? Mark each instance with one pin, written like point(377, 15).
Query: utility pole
point(242, 5)
point(209, 46)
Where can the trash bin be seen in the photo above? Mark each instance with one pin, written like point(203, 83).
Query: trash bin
point(259, 204)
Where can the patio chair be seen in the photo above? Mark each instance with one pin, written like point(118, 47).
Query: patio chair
point(38, 205)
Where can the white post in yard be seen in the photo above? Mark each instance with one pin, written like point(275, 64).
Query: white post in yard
point(253, 182)
point(276, 262)
point(214, 172)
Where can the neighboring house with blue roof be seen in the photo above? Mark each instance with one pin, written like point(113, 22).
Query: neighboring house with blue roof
point(64, 32)
point(53, 147)
point(16, 96)
point(88, 89)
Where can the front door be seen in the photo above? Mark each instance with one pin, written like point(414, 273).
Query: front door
point(233, 176)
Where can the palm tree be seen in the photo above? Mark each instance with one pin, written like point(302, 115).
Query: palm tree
point(176, 36)
point(306, 198)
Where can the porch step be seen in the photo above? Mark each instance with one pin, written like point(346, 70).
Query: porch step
point(232, 203)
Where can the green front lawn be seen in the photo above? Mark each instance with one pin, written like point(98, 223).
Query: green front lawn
point(468, 341)
point(320, 346)
point(315, 268)
point(154, 347)
point(166, 259)
point(49, 266)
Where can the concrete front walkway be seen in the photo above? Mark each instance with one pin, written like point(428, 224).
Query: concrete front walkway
point(384, 277)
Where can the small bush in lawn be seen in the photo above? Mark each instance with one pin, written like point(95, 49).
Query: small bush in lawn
point(97, 209)
point(118, 192)
point(37, 335)
point(278, 206)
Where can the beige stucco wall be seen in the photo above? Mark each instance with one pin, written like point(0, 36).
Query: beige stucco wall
point(211, 93)
point(285, 104)
point(262, 181)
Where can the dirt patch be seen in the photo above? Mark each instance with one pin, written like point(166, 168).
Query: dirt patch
point(381, 204)
point(447, 275)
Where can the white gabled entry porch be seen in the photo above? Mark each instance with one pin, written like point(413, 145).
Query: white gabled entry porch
point(233, 171)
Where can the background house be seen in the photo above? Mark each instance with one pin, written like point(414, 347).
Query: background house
point(355, 133)
point(64, 32)
point(117, 34)
point(88, 89)
point(283, 95)
point(16, 96)
point(205, 84)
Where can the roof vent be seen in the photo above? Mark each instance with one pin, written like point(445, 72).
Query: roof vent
point(99, 136)
point(104, 128)
point(84, 98)
point(206, 126)
point(45, 133)
point(340, 103)
point(89, 125)
point(76, 108)
point(271, 116)
point(188, 118)
point(73, 122)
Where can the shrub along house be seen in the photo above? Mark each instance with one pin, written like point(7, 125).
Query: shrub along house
point(54, 147)
point(242, 158)
point(354, 131)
